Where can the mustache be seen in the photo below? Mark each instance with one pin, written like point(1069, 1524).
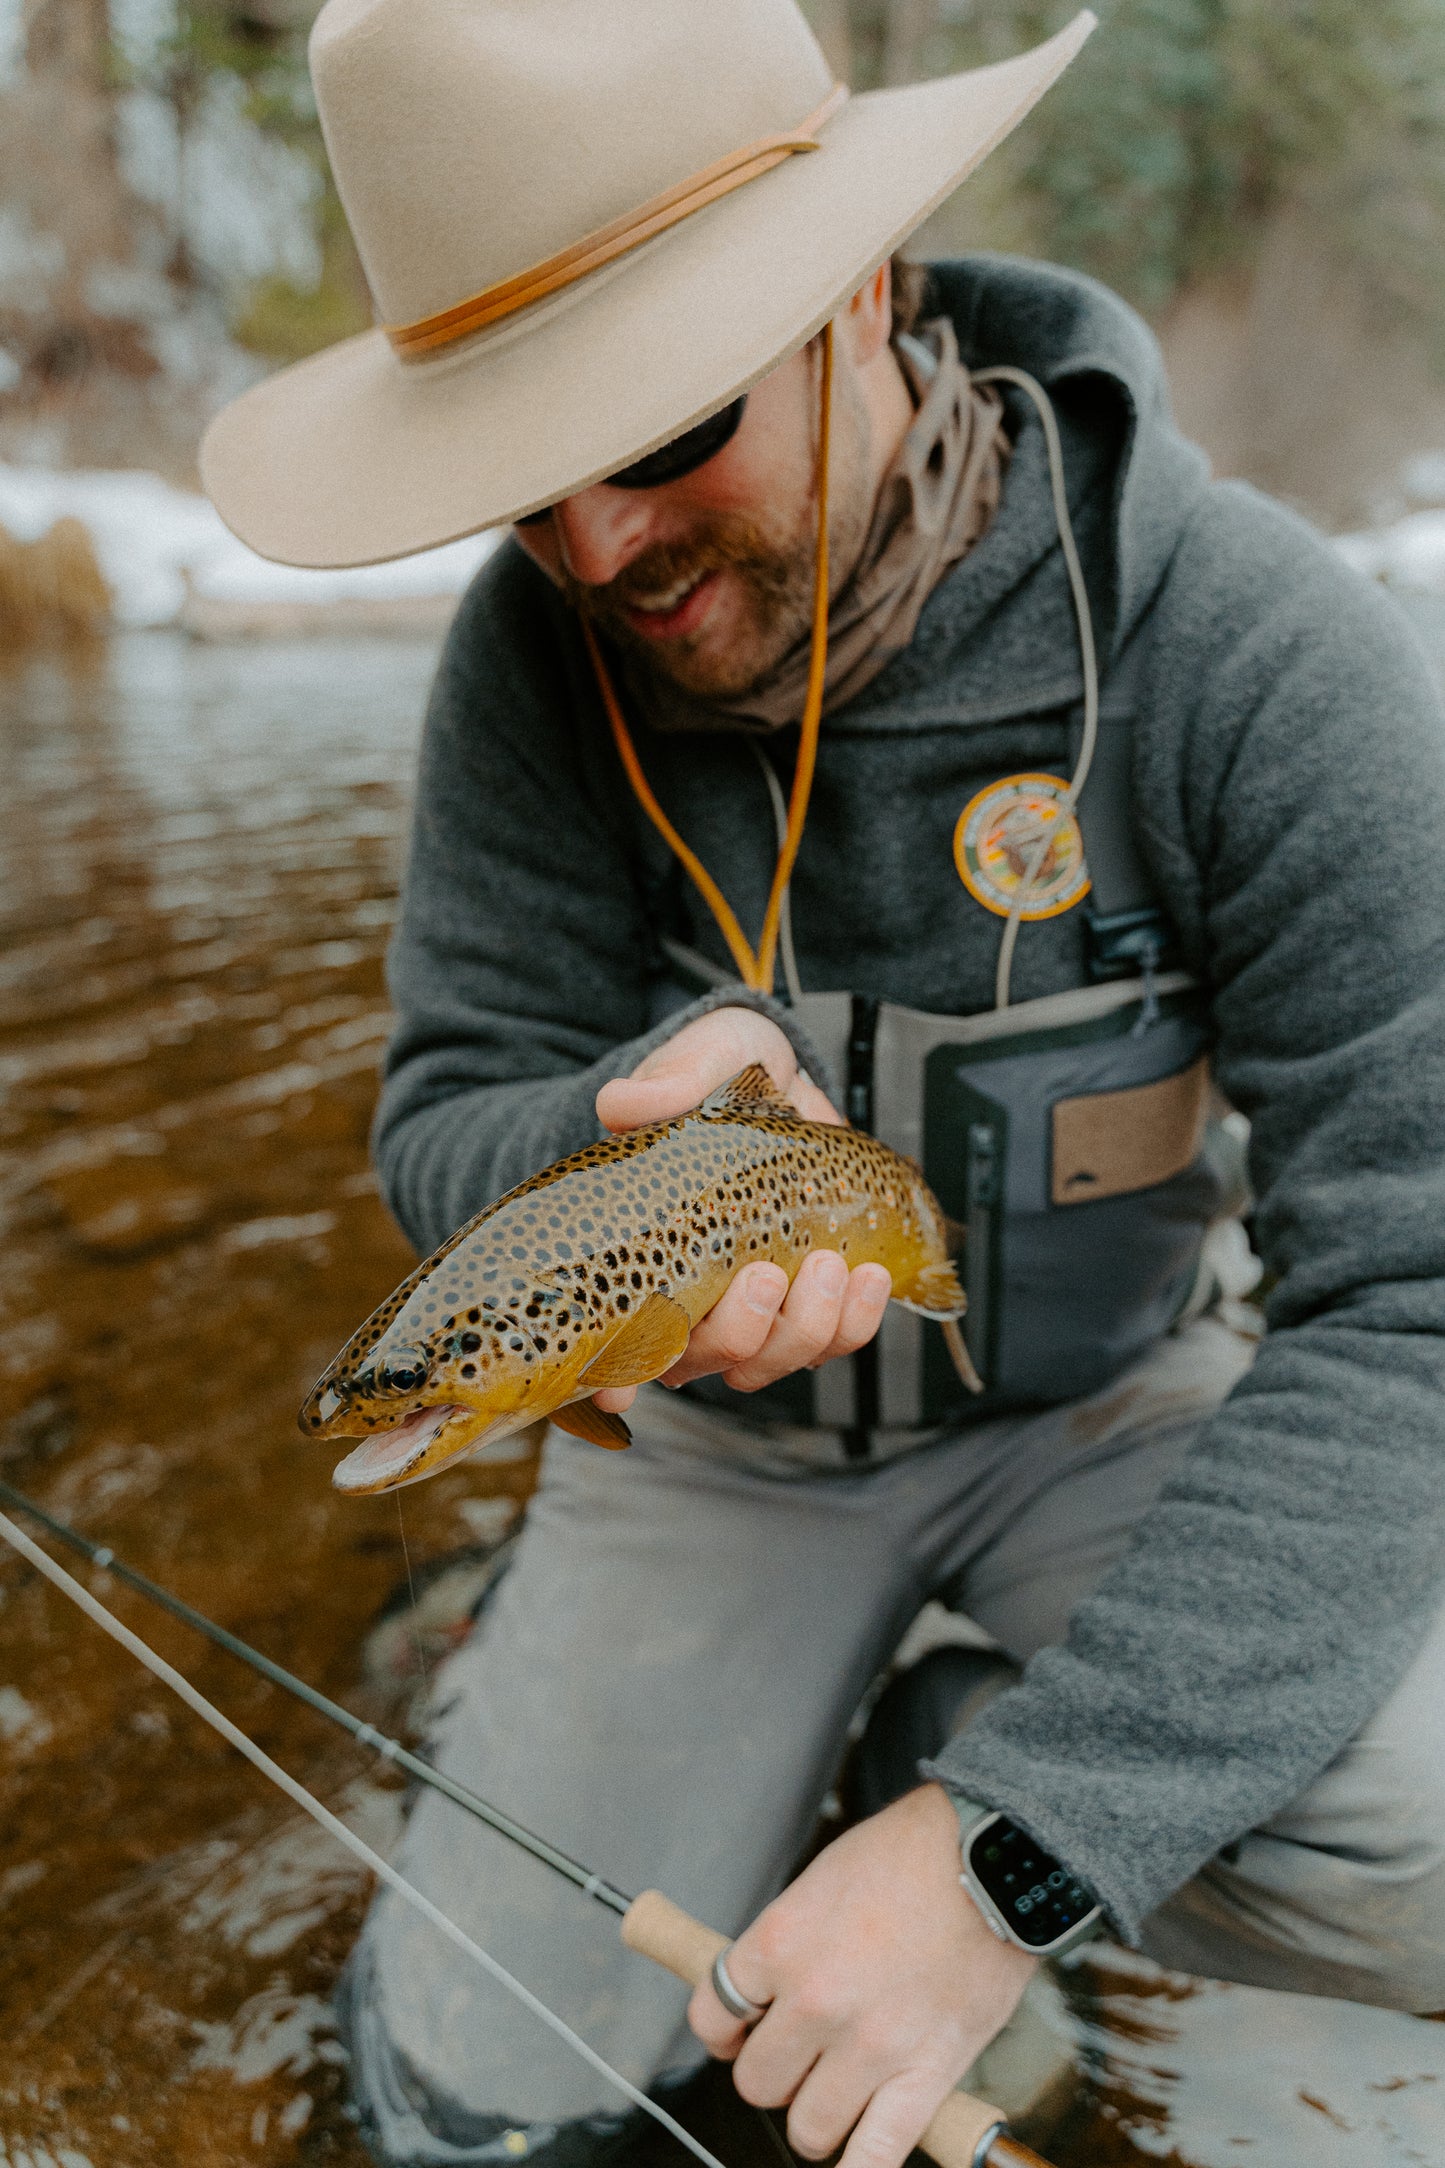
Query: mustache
point(730, 543)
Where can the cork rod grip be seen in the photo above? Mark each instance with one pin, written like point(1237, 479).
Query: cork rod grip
point(657, 1928)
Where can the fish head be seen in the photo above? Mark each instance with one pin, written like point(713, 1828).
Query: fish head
point(417, 1399)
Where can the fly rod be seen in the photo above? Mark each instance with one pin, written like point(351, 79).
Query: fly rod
point(964, 2133)
point(365, 1735)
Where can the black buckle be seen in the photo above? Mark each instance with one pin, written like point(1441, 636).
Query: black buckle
point(1126, 944)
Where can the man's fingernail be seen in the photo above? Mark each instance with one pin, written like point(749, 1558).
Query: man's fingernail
point(762, 1295)
point(830, 1274)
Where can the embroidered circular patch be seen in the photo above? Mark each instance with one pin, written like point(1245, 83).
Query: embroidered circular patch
point(1000, 831)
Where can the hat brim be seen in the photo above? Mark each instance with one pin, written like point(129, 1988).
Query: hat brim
point(354, 456)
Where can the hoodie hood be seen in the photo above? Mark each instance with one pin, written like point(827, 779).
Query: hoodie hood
point(998, 636)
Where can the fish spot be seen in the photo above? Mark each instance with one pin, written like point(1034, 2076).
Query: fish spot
point(470, 1342)
point(469, 1370)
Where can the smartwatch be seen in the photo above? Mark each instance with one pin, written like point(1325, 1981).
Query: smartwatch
point(1025, 1895)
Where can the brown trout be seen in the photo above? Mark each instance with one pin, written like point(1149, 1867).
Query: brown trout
point(594, 1272)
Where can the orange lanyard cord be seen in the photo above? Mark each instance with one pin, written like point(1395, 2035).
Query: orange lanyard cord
point(755, 970)
point(712, 895)
point(813, 704)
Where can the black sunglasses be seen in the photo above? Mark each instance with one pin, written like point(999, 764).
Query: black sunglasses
point(670, 462)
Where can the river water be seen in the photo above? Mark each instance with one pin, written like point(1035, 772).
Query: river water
point(198, 865)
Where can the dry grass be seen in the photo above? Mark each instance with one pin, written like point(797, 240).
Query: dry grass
point(52, 590)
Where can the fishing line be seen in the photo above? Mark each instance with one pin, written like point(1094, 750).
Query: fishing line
point(416, 1644)
point(335, 1827)
point(100, 1555)
point(683, 1946)
point(591, 1884)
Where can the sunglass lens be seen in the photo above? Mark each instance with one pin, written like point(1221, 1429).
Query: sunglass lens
point(670, 462)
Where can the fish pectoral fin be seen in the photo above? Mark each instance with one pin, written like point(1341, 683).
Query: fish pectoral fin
point(750, 1091)
point(933, 1292)
point(649, 1343)
point(584, 1419)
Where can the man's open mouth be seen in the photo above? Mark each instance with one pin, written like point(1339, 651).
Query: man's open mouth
point(391, 1457)
point(675, 609)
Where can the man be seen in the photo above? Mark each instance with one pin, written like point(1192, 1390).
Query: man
point(1211, 1577)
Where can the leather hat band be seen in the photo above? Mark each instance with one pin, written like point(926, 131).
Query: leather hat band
point(412, 341)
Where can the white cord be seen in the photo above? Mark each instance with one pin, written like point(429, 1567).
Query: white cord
point(1087, 655)
point(380, 1867)
point(785, 916)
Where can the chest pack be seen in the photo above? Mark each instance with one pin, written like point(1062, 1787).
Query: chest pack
point(1070, 1138)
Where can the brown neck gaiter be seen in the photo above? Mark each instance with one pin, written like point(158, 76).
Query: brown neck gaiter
point(934, 503)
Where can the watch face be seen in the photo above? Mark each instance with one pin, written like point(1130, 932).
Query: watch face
point(1039, 1899)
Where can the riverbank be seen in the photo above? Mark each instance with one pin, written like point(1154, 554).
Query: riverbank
point(168, 560)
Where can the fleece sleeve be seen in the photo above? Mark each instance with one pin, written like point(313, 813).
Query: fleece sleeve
point(1292, 797)
point(524, 969)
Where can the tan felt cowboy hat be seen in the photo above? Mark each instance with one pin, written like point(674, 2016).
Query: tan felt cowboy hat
point(587, 225)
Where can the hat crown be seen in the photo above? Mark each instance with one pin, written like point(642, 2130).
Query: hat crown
point(472, 139)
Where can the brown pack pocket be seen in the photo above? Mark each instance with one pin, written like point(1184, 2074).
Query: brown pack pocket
point(1109, 1143)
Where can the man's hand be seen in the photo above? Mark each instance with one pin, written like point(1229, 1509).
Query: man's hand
point(762, 1329)
point(882, 1984)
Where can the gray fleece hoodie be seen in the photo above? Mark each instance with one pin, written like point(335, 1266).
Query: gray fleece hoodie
point(1289, 793)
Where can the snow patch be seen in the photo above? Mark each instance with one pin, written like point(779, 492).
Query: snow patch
point(159, 545)
point(274, 2031)
point(1410, 553)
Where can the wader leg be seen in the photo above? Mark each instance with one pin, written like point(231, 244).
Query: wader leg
point(661, 1684)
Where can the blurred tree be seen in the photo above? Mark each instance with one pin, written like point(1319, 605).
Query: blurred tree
point(1185, 125)
point(70, 212)
point(261, 46)
point(68, 38)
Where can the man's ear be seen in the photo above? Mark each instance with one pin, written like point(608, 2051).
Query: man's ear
point(868, 318)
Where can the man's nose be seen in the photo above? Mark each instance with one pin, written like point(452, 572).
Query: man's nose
point(601, 530)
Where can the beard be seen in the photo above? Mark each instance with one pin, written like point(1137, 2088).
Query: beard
point(772, 555)
point(774, 571)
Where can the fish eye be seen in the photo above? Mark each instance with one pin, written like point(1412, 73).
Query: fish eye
point(403, 1370)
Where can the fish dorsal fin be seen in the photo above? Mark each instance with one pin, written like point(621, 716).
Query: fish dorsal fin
point(751, 1091)
point(648, 1343)
point(584, 1419)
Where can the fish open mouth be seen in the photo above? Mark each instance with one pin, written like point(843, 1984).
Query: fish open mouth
point(388, 1457)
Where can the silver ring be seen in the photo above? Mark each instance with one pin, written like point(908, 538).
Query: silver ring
point(736, 2005)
